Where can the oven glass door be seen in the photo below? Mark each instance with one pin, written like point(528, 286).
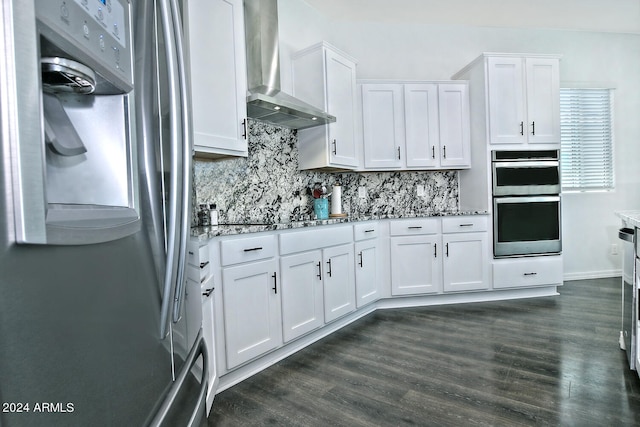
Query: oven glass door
point(526, 225)
point(526, 178)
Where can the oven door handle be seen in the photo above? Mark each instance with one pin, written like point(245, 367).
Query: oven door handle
point(526, 199)
point(527, 164)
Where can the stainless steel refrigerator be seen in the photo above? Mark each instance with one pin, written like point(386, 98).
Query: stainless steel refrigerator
point(94, 218)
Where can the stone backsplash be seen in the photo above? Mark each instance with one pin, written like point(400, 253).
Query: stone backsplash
point(267, 187)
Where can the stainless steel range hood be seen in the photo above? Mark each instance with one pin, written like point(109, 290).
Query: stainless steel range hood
point(266, 102)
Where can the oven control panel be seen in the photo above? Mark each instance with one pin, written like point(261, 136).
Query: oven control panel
point(96, 32)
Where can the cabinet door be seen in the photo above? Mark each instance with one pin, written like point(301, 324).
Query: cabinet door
point(208, 331)
point(421, 124)
point(383, 125)
point(251, 310)
point(302, 296)
point(339, 282)
point(543, 100)
point(341, 98)
point(455, 139)
point(367, 290)
point(216, 50)
point(506, 100)
point(465, 261)
point(415, 265)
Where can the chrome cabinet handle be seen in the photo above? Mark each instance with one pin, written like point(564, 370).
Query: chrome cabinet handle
point(329, 272)
point(319, 275)
point(335, 147)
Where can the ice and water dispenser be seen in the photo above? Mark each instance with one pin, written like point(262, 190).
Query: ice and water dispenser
point(75, 181)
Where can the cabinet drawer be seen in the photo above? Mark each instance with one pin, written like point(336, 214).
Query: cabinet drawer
point(235, 251)
point(198, 274)
point(464, 224)
point(197, 253)
point(364, 231)
point(412, 226)
point(319, 237)
point(525, 272)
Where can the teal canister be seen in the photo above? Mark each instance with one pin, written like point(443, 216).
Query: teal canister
point(321, 208)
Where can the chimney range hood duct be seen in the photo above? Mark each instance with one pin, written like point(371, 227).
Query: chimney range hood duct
point(265, 101)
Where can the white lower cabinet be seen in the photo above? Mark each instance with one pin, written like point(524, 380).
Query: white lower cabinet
point(339, 283)
point(302, 293)
point(252, 316)
point(415, 256)
point(527, 272)
point(465, 263)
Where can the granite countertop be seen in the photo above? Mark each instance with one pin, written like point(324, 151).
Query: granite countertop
point(632, 218)
point(208, 232)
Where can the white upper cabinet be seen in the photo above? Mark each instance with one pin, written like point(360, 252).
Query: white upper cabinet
point(523, 100)
point(214, 33)
point(326, 78)
point(383, 127)
point(418, 125)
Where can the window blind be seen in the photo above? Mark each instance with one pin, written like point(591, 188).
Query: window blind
point(586, 139)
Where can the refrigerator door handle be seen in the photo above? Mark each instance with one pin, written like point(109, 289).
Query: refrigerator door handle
point(185, 145)
point(169, 399)
point(171, 283)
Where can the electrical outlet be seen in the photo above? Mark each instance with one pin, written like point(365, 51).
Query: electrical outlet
point(420, 190)
point(614, 249)
point(362, 192)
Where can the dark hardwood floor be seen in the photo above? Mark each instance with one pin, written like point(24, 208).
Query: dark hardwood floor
point(545, 361)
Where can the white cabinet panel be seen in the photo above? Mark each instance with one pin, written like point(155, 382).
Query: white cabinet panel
point(214, 33)
point(455, 137)
point(543, 100)
point(339, 282)
point(251, 310)
point(383, 125)
point(421, 123)
point(367, 276)
point(506, 100)
point(302, 294)
point(529, 271)
point(326, 78)
point(415, 265)
point(465, 261)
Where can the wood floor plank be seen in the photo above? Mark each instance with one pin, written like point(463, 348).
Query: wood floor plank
point(546, 361)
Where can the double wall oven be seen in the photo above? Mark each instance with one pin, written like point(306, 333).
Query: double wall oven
point(526, 203)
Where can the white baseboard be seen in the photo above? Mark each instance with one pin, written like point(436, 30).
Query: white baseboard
point(602, 274)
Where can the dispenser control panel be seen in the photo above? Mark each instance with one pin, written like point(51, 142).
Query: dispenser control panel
point(101, 29)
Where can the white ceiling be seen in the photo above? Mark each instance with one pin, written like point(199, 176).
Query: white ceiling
point(621, 16)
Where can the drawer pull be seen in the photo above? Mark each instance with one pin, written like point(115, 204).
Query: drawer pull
point(435, 250)
point(204, 264)
point(415, 227)
point(319, 270)
point(360, 262)
point(369, 231)
point(275, 282)
point(329, 272)
point(446, 246)
point(466, 225)
point(530, 274)
point(253, 249)
point(208, 292)
point(190, 253)
point(203, 279)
